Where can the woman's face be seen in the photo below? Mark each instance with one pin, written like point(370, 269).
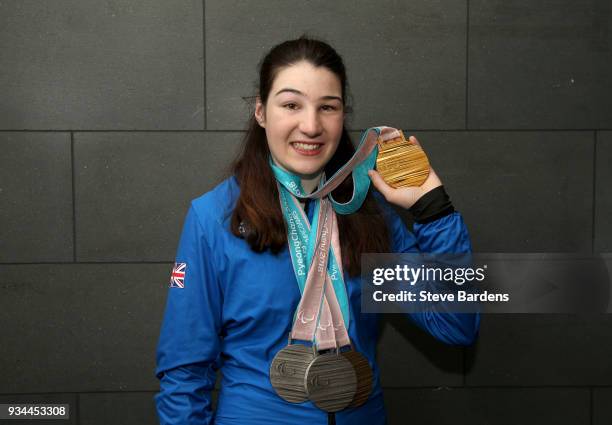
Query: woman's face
point(303, 118)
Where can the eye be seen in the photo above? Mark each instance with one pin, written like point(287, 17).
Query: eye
point(329, 108)
point(290, 105)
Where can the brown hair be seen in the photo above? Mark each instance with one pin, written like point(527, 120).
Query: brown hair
point(258, 210)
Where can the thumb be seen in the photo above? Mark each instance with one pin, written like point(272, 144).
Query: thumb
point(380, 184)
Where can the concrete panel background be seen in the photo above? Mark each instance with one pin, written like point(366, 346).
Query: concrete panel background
point(114, 115)
point(74, 64)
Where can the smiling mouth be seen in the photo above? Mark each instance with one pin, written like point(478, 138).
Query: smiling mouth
point(307, 146)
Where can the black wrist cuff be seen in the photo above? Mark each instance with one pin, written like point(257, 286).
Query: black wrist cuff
point(431, 206)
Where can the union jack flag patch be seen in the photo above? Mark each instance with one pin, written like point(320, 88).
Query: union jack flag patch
point(177, 278)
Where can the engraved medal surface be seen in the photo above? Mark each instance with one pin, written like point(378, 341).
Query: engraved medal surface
point(401, 162)
point(288, 371)
point(364, 375)
point(331, 382)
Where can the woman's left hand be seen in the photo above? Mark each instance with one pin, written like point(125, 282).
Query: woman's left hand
point(405, 197)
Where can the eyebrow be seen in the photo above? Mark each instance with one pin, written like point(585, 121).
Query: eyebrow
point(290, 90)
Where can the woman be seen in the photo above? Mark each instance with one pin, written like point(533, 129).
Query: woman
point(234, 288)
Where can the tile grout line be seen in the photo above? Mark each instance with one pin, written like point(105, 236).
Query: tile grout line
point(594, 205)
point(204, 60)
point(84, 263)
point(467, 59)
point(74, 247)
point(499, 387)
point(77, 394)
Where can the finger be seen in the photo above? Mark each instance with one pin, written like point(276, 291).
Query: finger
point(414, 140)
point(380, 184)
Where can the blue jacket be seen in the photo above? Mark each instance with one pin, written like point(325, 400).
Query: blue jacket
point(234, 312)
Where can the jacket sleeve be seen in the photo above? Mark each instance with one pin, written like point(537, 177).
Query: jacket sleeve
point(438, 228)
point(189, 341)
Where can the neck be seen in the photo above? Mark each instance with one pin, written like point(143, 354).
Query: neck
point(310, 184)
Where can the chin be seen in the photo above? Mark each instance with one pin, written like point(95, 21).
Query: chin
point(308, 170)
point(305, 173)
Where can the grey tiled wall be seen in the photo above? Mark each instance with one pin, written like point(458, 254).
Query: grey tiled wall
point(114, 115)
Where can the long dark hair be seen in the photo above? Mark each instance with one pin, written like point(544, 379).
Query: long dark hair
point(257, 216)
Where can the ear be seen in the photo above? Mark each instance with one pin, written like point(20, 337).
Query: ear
point(260, 113)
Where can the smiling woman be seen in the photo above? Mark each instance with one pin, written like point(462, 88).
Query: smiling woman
point(260, 264)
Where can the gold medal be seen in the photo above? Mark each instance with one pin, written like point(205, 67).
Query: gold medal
point(401, 162)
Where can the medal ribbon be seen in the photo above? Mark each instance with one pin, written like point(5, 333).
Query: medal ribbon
point(322, 313)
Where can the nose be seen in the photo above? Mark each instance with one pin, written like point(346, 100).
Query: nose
point(310, 123)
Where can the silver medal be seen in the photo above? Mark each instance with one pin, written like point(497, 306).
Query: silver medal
point(331, 382)
point(288, 370)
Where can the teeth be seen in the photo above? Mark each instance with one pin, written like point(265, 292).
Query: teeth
point(306, 146)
